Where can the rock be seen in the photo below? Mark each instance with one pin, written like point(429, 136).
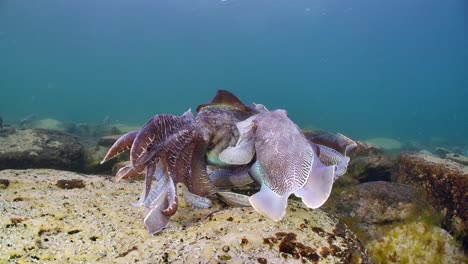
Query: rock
point(365, 149)
point(447, 154)
point(374, 167)
point(93, 157)
point(369, 208)
point(416, 243)
point(446, 184)
point(108, 141)
point(112, 129)
point(387, 144)
point(81, 129)
point(50, 124)
point(369, 163)
point(97, 224)
point(39, 148)
point(458, 158)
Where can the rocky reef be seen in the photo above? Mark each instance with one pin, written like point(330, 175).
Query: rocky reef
point(58, 216)
point(39, 148)
point(446, 184)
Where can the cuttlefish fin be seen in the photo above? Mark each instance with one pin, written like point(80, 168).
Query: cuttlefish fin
point(318, 186)
point(224, 97)
point(269, 204)
point(266, 201)
point(244, 150)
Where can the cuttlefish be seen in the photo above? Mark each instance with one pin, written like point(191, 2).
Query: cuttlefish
point(229, 144)
point(286, 162)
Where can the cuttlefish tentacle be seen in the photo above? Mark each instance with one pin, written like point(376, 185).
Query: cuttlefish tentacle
point(122, 144)
point(154, 205)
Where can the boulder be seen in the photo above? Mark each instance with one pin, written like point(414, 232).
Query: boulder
point(373, 167)
point(108, 141)
point(416, 242)
point(369, 208)
point(395, 223)
point(369, 163)
point(39, 148)
point(90, 219)
point(94, 152)
point(446, 185)
point(49, 124)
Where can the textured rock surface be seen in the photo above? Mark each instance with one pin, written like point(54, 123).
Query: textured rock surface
point(373, 167)
point(50, 124)
point(369, 163)
point(416, 243)
point(57, 216)
point(39, 148)
point(369, 207)
point(446, 183)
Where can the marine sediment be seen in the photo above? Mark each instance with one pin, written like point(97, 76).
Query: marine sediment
point(44, 222)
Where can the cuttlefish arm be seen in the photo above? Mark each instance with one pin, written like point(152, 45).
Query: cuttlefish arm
point(122, 144)
point(154, 135)
point(160, 203)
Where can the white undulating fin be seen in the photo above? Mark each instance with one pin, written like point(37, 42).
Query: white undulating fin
point(269, 204)
point(318, 187)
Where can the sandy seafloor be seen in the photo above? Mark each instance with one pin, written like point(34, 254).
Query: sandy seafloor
point(44, 223)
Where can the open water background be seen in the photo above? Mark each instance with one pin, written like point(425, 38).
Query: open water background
point(370, 68)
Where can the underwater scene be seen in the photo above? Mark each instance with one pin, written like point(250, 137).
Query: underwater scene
point(233, 131)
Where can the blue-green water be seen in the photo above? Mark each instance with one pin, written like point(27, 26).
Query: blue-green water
point(365, 68)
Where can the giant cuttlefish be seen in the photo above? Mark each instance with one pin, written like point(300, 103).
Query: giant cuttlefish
point(228, 144)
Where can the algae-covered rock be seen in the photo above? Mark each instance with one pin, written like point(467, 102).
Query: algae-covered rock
point(39, 148)
point(373, 167)
point(416, 243)
point(369, 208)
point(446, 185)
point(95, 222)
